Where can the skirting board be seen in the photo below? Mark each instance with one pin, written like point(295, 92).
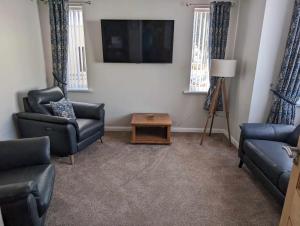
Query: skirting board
point(175, 130)
point(233, 141)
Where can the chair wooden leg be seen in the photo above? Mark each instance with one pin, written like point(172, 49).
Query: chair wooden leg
point(241, 164)
point(101, 140)
point(71, 159)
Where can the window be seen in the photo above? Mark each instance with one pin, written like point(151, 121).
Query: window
point(77, 73)
point(199, 77)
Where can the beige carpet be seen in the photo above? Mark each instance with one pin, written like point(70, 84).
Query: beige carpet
point(117, 183)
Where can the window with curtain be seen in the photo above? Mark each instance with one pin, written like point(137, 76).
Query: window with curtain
point(199, 77)
point(77, 71)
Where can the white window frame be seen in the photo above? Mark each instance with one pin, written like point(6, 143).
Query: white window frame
point(77, 67)
point(199, 78)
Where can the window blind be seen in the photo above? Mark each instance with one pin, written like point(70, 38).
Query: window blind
point(199, 77)
point(77, 71)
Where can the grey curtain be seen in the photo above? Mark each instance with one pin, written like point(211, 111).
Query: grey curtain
point(287, 91)
point(59, 16)
point(219, 23)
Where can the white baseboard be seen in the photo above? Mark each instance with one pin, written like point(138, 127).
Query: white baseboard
point(193, 130)
point(176, 130)
point(173, 129)
point(234, 141)
point(118, 128)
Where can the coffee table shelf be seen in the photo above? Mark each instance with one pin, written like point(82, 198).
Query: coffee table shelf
point(151, 128)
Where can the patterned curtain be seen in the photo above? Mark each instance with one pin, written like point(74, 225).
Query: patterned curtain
point(219, 23)
point(287, 91)
point(59, 16)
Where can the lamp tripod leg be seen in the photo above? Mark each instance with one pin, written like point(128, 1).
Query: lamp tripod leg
point(226, 110)
point(211, 124)
point(205, 127)
point(212, 108)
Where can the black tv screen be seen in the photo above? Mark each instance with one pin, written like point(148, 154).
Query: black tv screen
point(137, 41)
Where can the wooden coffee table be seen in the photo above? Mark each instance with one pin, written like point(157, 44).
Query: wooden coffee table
point(151, 128)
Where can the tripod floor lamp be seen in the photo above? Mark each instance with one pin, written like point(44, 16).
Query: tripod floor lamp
point(222, 69)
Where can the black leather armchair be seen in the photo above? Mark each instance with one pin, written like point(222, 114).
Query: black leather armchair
point(67, 136)
point(26, 181)
point(261, 150)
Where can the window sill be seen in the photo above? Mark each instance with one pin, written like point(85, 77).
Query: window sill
point(80, 90)
point(195, 92)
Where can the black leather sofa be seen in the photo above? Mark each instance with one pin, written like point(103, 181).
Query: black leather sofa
point(67, 136)
point(260, 148)
point(26, 181)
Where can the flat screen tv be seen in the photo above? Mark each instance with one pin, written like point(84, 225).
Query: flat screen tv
point(137, 41)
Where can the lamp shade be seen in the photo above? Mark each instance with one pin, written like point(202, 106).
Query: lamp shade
point(222, 68)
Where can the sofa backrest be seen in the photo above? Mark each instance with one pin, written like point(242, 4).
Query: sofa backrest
point(293, 138)
point(39, 99)
point(26, 104)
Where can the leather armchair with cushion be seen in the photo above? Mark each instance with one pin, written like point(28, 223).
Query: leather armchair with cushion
point(261, 150)
point(67, 136)
point(26, 181)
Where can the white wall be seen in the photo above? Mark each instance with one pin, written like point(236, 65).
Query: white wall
point(250, 23)
point(275, 30)
point(21, 58)
point(261, 40)
point(127, 88)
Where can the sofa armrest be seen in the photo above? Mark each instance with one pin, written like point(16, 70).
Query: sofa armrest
point(47, 118)
point(17, 191)
point(88, 110)
point(63, 133)
point(24, 152)
point(263, 131)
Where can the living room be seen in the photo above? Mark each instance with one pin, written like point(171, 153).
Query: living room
point(141, 112)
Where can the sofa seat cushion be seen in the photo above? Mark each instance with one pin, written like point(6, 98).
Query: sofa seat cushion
point(42, 175)
point(269, 157)
point(88, 127)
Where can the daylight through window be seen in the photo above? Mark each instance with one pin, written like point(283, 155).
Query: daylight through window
point(77, 72)
point(199, 77)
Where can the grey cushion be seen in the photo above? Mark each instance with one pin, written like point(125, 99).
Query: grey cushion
point(63, 108)
point(269, 157)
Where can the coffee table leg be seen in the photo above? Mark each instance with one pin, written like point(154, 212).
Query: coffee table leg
point(169, 134)
point(133, 135)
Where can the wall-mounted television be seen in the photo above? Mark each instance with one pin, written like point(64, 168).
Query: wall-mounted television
point(137, 41)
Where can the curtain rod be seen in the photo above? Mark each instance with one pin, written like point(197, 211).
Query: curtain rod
point(203, 5)
point(81, 2)
point(73, 2)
